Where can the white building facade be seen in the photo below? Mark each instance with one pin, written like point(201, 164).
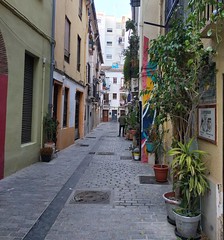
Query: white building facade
point(114, 39)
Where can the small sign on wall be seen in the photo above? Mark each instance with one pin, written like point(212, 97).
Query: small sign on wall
point(207, 122)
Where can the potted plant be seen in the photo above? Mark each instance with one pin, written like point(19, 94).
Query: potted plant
point(50, 126)
point(189, 172)
point(172, 202)
point(156, 137)
point(151, 139)
point(132, 120)
point(136, 154)
point(46, 154)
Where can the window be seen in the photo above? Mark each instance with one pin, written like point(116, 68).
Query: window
point(78, 53)
point(110, 30)
point(114, 95)
point(65, 112)
point(109, 43)
point(80, 9)
point(67, 40)
point(109, 56)
point(118, 26)
point(114, 80)
point(27, 99)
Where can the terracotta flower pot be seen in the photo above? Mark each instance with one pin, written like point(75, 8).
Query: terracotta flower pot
point(161, 172)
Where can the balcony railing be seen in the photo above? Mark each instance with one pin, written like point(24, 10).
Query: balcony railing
point(211, 9)
point(172, 4)
point(135, 3)
point(106, 104)
point(169, 8)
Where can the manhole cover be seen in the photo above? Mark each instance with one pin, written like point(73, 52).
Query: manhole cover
point(126, 157)
point(150, 180)
point(91, 152)
point(83, 145)
point(92, 197)
point(105, 153)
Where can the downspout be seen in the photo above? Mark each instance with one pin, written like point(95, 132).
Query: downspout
point(52, 56)
point(42, 103)
point(141, 47)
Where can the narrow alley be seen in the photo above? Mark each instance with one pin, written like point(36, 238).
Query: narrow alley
point(89, 191)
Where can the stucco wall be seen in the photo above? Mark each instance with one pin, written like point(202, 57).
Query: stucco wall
point(78, 27)
point(19, 38)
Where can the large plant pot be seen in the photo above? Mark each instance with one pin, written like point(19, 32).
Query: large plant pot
point(149, 147)
point(186, 227)
point(171, 203)
point(131, 134)
point(161, 172)
point(46, 158)
point(136, 156)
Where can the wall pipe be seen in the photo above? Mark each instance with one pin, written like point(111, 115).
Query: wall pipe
point(52, 56)
point(42, 103)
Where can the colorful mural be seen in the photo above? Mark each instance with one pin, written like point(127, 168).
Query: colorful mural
point(147, 83)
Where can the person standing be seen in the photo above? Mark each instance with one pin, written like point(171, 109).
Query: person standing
point(122, 123)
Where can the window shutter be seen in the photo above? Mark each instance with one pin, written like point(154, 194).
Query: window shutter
point(27, 99)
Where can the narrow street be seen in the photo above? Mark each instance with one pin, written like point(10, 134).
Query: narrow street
point(89, 191)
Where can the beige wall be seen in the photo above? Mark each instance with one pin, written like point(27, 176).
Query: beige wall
point(215, 151)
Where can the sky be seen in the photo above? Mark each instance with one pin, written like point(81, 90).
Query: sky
point(117, 8)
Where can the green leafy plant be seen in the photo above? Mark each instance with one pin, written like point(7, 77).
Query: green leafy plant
point(182, 61)
point(189, 172)
point(50, 126)
point(131, 53)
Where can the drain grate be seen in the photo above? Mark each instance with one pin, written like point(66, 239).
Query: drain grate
point(110, 136)
point(105, 153)
point(83, 145)
point(91, 197)
point(91, 152)
point(90, 137)
point(126, 157)
point(150, 180)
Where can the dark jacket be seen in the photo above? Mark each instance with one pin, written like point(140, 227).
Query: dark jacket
point(122, 120)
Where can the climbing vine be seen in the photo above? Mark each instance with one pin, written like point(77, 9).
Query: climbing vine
point(182, 60)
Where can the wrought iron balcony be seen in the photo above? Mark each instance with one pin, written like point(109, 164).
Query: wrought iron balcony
point(135, 3)
point(172, 4)
point(169, 8)
point(211, 9)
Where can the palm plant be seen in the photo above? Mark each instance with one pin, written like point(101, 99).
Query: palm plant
point(189, 173)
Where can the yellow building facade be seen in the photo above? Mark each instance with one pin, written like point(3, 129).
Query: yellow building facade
point(150, 16)
point(71, 26)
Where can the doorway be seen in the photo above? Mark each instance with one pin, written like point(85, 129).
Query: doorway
point(114, 115)
point(77, 111)
point(105, 115)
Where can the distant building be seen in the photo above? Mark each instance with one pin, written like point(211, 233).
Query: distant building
point(114, 39)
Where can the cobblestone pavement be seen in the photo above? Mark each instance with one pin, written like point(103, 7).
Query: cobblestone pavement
point(46, 200)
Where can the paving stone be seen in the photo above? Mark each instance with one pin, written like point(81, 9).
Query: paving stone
point(34, 195)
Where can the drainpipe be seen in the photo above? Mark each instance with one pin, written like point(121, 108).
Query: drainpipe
point(52, 55)
point(42, 103)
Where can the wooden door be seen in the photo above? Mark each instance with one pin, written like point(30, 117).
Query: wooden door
point(105, 115)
